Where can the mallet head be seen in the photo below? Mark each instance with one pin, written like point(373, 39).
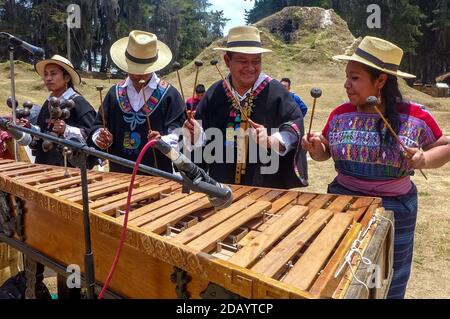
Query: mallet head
point(67, 104)
point(176, 65)
point(56, 112)
point(54, 101)
point(214, 62)
point(99, 87)
point(65, 114)
point(372, 101)
point(26, 112)
point(316, 93)
point(28, 105)
point(20, 113)
point(198, 63)
point(9, 102)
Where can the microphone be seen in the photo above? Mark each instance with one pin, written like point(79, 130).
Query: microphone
point(195, 174)
point(21, 138)
point(36, 51)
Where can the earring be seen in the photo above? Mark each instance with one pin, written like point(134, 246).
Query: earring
point(379, 96)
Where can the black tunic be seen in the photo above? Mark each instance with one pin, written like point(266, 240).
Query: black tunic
point(129, 138)
point(273, 108)
point(81, 116)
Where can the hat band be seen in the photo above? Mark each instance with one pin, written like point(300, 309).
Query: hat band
point(371, 58)
point(243, 44)
point(140, 61)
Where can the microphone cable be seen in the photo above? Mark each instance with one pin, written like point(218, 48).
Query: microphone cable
point(125, 222)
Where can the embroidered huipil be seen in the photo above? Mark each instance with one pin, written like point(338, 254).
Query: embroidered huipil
point(354, 141)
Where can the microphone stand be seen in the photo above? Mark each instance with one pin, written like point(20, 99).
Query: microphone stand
point(200, 186)
point(11, 49)
point(12, 46)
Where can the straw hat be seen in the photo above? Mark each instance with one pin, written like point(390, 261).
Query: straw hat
point(140, 53)
point(244, 39)
point(379, 54)
point(62, 62)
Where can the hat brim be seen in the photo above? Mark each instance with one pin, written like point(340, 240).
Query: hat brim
point(359, 59)
point(74, 75)
point(117, 52)
point(245, 50)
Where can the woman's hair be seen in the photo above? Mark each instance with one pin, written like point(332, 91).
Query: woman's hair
point(391, 96)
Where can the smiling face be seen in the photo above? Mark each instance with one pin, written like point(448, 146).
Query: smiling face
point(55, 80)
point(360, 84)
point(244, 68)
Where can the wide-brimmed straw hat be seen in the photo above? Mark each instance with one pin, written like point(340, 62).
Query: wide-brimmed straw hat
point(244, 39)
point(140, 53)
point(62, 62)
point(379, 54)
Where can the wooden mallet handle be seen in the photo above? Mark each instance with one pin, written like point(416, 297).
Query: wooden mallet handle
point(177, 67)
point(315, 93)
point(373, 101)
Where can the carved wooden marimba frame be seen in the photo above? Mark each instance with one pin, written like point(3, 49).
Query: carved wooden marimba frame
point(267, 244)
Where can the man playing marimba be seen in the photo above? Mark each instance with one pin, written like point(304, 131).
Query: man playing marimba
point(142, 107)
point(246, 99)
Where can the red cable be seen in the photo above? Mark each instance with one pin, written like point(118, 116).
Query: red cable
point(125, 222)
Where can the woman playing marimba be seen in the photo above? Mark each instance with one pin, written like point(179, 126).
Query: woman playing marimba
point(369, 158)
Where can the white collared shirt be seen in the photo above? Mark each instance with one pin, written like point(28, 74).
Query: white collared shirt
point(258, 82)
point(137, 102)
point(137, 98)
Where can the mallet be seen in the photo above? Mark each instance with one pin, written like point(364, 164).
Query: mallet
point(198, 65)
point(100, 89)
point(315, 93)
point(142, 84)
point(372, 101)
point(177, 67)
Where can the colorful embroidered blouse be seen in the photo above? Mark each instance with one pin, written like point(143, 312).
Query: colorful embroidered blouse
point(354, 141)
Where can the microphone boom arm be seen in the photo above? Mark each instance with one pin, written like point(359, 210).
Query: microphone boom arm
point(209, 189)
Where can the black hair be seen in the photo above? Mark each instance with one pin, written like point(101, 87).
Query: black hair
point(287, 80)
point(200, 88)
point(229, 54)
point(391, 96)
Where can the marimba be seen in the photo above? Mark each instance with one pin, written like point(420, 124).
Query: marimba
point(269, 243)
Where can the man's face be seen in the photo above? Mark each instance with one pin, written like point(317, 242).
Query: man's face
point(286, 85)
point(244, 68)
point(200, 95)
point(136, 78)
